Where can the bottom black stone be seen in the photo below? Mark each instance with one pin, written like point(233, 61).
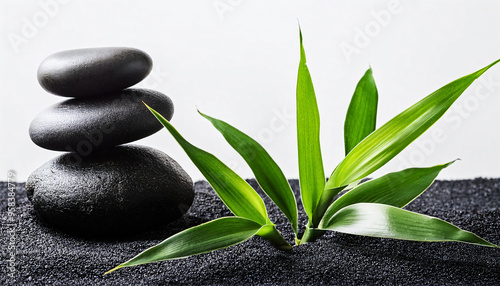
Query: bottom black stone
point(117, 191)
point(46, 257)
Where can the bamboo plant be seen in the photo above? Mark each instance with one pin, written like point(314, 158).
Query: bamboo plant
point(372, 208)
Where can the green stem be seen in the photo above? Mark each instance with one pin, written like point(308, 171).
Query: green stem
point(272, 234)
point(324, 202)
point(311, 234)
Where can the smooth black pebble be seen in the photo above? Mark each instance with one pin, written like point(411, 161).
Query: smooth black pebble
point(118, 191)
point(84, 125)
point(93, 71)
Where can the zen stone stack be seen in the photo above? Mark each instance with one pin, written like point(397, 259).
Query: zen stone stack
point(98, 188)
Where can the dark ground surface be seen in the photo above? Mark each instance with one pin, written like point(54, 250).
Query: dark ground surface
point(47, 257)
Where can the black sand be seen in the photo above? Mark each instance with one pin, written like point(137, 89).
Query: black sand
point(46, 257)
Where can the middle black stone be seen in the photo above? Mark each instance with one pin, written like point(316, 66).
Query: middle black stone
point(88, 124)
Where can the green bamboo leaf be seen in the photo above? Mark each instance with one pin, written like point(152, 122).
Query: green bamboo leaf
point(395, 189)
point(237, 194)
point(380, 220)
point(311, 173)
point(390, 139)
point(362, 112)
point(267, 173)
point(210, 236)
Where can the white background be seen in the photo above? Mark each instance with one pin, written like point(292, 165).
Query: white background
point(237, 60)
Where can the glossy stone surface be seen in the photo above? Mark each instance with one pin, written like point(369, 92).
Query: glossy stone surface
point(94, 71)
point(117, 191)
point(84, 125)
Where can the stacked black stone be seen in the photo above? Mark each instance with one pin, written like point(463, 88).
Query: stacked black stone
point(98, 188)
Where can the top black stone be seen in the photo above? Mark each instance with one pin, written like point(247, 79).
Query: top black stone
point(94, 71)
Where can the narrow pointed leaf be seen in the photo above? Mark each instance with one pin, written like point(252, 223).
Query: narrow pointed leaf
point(362, 112)
point(380, 220)
point(267, 173)
point(210, 236)
point(395, 189)
point(311, 173)
point(237, 194)
point(390, 139)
